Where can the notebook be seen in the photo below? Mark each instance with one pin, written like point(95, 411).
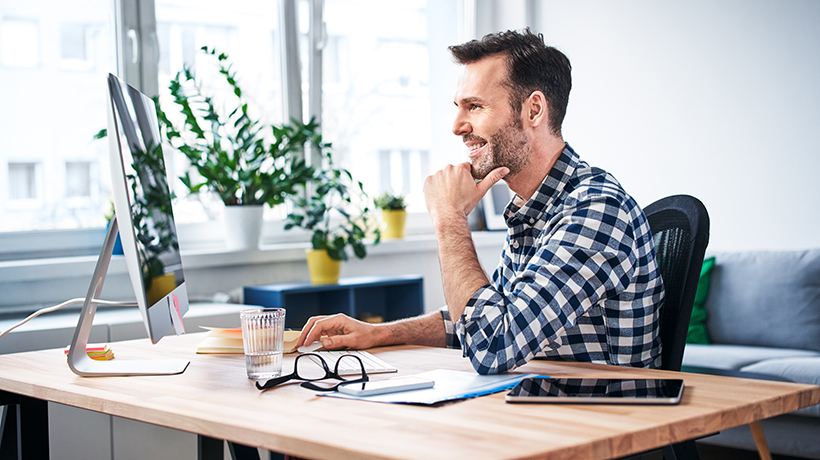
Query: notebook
point(229, 340)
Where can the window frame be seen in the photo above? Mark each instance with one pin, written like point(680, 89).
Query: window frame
point(137, 52)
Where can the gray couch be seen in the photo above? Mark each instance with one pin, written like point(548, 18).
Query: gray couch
point(764, 319)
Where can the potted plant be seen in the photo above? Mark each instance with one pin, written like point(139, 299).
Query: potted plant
point(246, 163)
point(336, 213)
point(394, 215)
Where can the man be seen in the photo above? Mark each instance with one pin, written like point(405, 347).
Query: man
point(578, 278)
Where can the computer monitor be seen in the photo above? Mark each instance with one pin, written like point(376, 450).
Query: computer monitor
point(145, 222)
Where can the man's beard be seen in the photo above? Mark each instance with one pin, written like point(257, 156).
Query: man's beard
point(507, 147)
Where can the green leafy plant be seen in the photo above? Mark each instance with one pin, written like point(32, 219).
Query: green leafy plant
point(335, 211)
point(390, 202)
point(230, 151)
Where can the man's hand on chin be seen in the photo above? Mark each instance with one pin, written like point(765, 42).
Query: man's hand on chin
point(452, 191)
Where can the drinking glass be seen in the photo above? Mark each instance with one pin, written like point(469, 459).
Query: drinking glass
point(263, 334)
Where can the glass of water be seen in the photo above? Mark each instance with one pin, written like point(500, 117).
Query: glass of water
point(263, 333)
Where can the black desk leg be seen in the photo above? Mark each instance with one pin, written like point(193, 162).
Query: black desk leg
point(212, 449)
point(24, 429)
point(686, 450)
point(242, 452)
point(208, 448)
point(8, 432)
point(33, 428)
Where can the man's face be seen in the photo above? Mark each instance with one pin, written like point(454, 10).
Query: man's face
point(491, 130)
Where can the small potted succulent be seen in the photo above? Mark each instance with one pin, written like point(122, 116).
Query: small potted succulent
point(394, 215)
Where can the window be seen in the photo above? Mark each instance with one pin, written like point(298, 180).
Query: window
point(50, 112)
point(19, 43)
point(247, 32)
point(23, 181)
point(381, 107)
point(382, 110)
point(79, 44)
point(78, 179)
point(73, 42)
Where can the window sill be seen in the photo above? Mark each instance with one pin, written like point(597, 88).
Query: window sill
point(72, 267)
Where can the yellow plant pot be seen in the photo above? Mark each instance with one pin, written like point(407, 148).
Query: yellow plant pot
point(394, 221)
point(323, 269)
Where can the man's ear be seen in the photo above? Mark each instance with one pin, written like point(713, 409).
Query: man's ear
point(535, 109)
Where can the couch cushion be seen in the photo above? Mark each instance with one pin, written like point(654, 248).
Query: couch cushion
point(800, 370)
point(737, 357)
point(765, 299)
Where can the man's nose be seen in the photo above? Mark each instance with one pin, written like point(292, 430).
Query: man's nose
point(461, 126)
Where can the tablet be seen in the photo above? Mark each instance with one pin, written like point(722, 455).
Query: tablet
point(597, 391)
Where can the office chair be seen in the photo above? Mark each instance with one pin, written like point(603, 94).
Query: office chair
point(680, 228)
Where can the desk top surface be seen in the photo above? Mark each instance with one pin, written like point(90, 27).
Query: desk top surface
point(213, 397)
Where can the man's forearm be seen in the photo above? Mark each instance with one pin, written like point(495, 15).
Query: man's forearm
point(427, 330)
point(461, 272)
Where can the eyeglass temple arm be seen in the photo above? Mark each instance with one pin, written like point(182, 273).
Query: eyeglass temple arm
point(273, 382)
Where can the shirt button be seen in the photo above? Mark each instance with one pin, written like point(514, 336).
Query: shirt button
point(515, 244)
point(532, 220)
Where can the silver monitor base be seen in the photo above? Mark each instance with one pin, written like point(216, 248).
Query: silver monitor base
point(78, 359)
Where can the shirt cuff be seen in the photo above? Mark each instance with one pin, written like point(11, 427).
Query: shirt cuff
point(449, 329)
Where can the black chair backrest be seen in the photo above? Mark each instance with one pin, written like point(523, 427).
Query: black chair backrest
point(680, 228)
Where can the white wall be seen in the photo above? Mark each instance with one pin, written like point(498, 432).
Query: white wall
point(720, 100)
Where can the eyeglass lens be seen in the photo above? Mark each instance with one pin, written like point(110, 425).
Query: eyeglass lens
point(348, 369)
point(311, 367)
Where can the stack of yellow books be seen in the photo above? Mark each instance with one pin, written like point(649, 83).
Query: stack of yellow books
point(99, 352)
point(229, 340)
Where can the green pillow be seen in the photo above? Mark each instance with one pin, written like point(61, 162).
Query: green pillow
point(697, 324)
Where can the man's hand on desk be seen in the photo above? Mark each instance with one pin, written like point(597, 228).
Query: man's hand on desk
point(341, 331)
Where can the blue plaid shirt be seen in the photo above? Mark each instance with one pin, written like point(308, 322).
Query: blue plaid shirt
point(577, 281)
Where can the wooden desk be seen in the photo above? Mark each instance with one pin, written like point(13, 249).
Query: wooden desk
point(214, 398)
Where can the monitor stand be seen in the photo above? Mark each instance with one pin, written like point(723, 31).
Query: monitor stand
point(78, 359)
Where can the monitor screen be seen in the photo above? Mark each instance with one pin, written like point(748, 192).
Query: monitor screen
point(142, 202)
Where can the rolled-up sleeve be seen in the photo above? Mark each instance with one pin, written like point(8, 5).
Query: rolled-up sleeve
point(449, 329)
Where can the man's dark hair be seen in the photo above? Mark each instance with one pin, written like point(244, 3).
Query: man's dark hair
point(531, 66)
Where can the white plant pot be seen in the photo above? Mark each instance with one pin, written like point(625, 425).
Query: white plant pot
point(243, 225)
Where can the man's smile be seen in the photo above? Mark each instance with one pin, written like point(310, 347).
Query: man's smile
point(475, 145)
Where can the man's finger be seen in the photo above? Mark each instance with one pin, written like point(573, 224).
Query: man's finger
point(491, 179)
point(305, 331)
point(319, 329)
point(336, 341)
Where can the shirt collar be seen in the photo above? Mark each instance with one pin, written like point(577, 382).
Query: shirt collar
point(548, 193)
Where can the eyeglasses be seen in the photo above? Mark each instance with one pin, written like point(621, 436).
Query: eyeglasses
point(311, 368)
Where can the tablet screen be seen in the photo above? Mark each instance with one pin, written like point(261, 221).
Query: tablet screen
point(598, 391)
